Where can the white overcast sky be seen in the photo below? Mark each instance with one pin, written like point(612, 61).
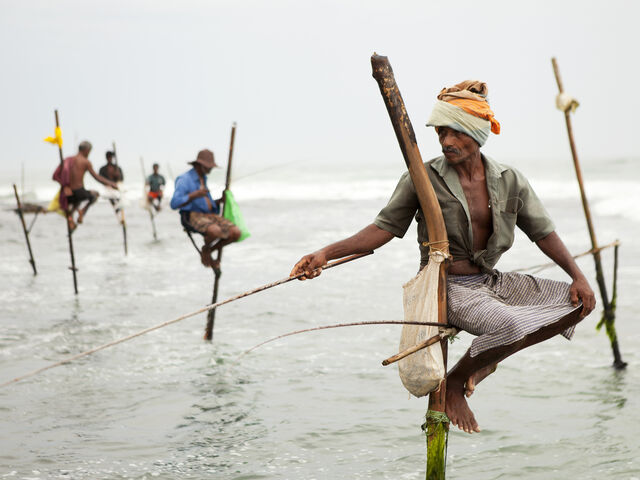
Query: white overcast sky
point(167, 78)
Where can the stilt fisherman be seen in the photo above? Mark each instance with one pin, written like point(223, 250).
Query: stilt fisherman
point(482, 202)
point(199, 212)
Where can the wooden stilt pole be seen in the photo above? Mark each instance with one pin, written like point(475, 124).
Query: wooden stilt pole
point(122, 220)
point(609, 313)
point(146, 199)
point(437, 424)
point(211, 315)
point(24, 229)
point(73, 259)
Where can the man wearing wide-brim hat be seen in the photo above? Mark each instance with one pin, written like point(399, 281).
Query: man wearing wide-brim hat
point(199, 212)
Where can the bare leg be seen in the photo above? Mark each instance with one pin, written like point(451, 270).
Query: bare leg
point(469, 367)
point(72, 224)
point(83, 211)
point(477, 377)
point(214, 232)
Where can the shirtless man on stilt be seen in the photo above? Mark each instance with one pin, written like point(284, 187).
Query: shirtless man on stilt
point(79, 195)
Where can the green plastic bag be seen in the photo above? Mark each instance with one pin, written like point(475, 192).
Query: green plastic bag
point(232, 213)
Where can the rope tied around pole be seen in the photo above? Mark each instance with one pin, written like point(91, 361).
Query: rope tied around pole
point(433, 419)
point(444, 250)
point(436, 429)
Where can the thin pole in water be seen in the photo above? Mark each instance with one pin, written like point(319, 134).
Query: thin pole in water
point(67, 213)
point(24, 229)
point(146, 200)
point(211, 316)
point(609, 314)
point(122, 220)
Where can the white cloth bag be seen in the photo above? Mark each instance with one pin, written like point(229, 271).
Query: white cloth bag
point(423, 371)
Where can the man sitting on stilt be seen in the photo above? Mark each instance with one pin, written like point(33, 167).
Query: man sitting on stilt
point(80, 198)
point(199, 212)
point(482, 202)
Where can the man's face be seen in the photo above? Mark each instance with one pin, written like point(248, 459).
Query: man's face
point(201, 169)
point(457, 147)
point(155, 169)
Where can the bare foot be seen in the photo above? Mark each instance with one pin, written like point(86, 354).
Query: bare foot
point(80, 216)
point(477, 377)
point(205, 256)
point(72, 224)
point(458, 410)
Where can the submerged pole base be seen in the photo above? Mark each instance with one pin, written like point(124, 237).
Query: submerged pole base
point(436, 428)
point(618, 363)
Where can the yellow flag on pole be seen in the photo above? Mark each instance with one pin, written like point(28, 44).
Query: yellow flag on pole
point(56, 139)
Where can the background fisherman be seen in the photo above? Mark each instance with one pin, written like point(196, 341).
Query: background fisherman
point(199, 212)
point(113, 172)
point(110, 170)
point(482, 201)
point(156, 183)
point(79, 195)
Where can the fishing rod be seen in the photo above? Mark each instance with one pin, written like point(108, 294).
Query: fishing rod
point(183, 317)
point(273, 167)
point(447, 331)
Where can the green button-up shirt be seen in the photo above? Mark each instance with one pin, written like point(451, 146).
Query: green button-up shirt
point(511, 199)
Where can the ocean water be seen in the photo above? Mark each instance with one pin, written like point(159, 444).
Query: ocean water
point(313, 406)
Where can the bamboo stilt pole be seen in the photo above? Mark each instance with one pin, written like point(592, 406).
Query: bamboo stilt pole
point(146, 199)
point(608, 316)
point(67, 213)
point(24, 229)
point(437, 422)
point(211, 315)
point(122, 220)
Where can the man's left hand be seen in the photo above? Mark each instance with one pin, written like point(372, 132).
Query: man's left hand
point(581, 291)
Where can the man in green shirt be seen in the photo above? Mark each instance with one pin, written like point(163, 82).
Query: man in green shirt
point(156, 183)
point(482, 202)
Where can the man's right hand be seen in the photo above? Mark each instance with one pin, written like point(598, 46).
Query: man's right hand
point(201, 192)
point(311, 265)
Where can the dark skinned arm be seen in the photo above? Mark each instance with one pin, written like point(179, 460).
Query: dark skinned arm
point(553, 247)
point(367, 239)
point(100, 178)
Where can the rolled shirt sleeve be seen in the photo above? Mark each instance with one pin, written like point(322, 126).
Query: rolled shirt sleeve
point(181, 192)
point(396, 217)
point(532, 218)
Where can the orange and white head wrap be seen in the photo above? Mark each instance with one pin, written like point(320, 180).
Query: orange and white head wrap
point(464, 108)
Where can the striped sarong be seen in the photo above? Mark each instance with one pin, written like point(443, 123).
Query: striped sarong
point(502, 308)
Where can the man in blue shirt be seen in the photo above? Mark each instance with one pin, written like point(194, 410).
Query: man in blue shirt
point(199, 212)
